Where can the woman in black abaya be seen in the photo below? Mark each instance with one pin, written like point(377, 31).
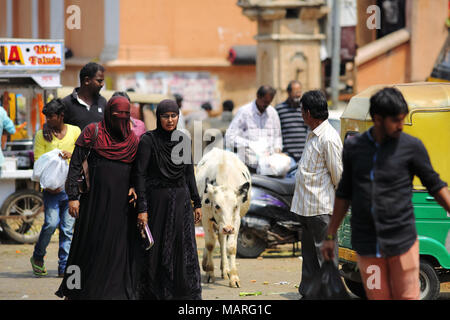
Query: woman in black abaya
point(164, 192)
point(100, 254)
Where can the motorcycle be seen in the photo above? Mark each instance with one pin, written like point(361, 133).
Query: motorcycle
point(269, 221)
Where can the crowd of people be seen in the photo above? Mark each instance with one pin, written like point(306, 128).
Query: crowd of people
point(135, 182)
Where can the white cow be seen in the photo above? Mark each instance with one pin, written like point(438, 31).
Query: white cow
point(224, 184)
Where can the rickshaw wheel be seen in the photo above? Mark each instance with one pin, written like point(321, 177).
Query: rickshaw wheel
point(429, 282)
point(23, 203)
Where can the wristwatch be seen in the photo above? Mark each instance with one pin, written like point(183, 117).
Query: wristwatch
point(330, 237)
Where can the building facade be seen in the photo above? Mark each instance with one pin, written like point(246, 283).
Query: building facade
point(178, 46)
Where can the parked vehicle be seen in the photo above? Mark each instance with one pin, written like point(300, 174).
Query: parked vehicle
point(269, 221)
point(428, 120)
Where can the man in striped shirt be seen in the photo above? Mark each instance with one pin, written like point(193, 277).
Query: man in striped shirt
point(293, 128)
point(318, 175)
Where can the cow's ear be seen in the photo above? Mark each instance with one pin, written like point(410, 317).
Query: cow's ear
point(209, 188)
point(243, 191)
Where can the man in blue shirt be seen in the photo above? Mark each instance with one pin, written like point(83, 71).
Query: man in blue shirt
point(5, 124)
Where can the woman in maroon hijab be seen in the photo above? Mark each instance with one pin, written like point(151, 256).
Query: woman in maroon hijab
point(100, 248)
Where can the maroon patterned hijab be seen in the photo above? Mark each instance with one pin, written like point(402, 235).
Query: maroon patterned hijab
point(115, 140)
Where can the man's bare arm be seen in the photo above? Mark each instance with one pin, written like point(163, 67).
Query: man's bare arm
point(340, 209)
point(443, 198)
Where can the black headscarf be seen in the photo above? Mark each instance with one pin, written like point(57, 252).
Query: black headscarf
point(164, 145)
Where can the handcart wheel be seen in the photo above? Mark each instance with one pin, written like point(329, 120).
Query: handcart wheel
point(22, 216)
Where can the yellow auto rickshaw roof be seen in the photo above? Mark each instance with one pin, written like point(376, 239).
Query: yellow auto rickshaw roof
point(107, 94)
point(419, 96)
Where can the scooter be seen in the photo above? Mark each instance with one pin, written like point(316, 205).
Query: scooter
point(269, 221)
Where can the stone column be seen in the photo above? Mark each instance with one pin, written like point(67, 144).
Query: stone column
point(289, 42)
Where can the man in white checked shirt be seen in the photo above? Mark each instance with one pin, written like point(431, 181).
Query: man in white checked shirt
point(318, 175)
point(256, 126)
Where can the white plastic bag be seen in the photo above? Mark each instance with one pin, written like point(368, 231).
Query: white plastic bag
point(277, 164)
point(256, 150)
point(42, 163)
point(50, 170)
point(260, 147)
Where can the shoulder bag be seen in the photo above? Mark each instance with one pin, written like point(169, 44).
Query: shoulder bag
point(83, 180)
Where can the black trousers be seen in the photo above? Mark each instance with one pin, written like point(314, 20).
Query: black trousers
point(314, 232)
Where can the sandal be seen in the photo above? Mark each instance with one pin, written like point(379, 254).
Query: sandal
point(37, 270)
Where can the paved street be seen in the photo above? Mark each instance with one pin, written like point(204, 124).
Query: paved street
point(278, 268)
point(275, 274)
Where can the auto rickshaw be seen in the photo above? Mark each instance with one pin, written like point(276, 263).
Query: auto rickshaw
point(428, 120)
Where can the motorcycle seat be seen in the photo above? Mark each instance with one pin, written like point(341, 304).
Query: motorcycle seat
point(282, 186)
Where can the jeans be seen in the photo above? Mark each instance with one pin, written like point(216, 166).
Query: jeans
point(291, 174)
point(56, 207)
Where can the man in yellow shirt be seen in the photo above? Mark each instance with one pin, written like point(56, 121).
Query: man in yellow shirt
point(55, 201)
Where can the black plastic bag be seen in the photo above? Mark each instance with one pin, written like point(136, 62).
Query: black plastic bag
point(327, 284)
